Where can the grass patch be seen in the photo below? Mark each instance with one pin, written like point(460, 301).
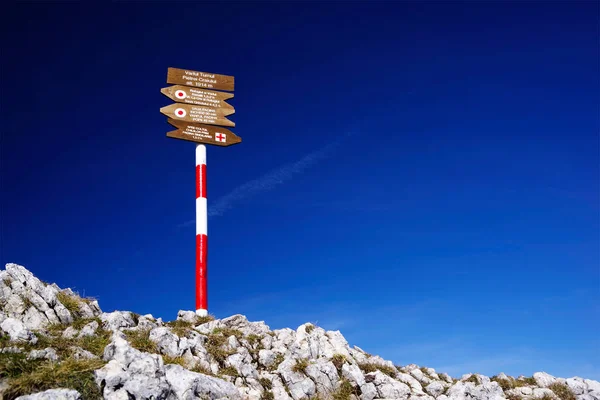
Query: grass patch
point(26, 302)
point(525, 382)
point(7, 281)
point(79, 323)
point(95, 344)
point(180, 327)
point(370, 367)
point(505, 384)
point(37, 377)
point(473, 379)
point(140, 340)
point(266, 383)
point(562, 391)
point(201, 370)
point(338, 360)
point(173, 360)
point(70, 302)
point(300, 365)
point(204, 320)
point(267, 395)
point(227, 332)
point(513, 397)
point(309, 328)
point(253, 339)
point(135, 317)
point(215, 347)
point(229, 371)
point(345, 391)
point(278, 360)
point(425, 372)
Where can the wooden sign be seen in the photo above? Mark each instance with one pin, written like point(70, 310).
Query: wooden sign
point(203, 133)
point(199, 79)
point(199, 114)
point(198, 97)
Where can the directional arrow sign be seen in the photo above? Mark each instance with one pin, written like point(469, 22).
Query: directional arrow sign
point(203, 133)
point(198, 97)
point(199, 114)
point(200, 79)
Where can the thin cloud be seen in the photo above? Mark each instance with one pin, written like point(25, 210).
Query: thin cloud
point(269, 180)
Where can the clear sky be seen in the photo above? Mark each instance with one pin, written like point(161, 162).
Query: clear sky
point(423, 176)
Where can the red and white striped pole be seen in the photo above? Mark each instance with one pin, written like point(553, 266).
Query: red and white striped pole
point(201, 232)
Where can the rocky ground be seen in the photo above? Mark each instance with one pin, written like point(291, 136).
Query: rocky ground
point(57, 345)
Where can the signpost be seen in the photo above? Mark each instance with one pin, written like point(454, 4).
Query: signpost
point(200, 114)
point(194, 109)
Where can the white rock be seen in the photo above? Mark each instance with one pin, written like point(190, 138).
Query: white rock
point(539, 393)
point(187, 316)
point(189, 385)
point(369, 391)
point(117, 320)
point(446, 377)
point(80, 354)
point(89, 329)
point(543, 379)
point(53, 394)
point(435, 388)
point(70, 333)
point(577, 385)
point(17, 331)
point(388, 387)
point(266, 357)
point(167, 341)
point(34, 319)
point(324, 374)
point(414, 384)
point(62, 313)
point(47, 353)
point(353, 374)
point(465, 390)
point(298, 384)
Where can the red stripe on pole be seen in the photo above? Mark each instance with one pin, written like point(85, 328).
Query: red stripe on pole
point(201, 181)
point(203, 188)
point(201, 258)
point(198, 181)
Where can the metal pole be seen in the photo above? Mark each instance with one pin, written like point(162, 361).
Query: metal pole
point(201, 232)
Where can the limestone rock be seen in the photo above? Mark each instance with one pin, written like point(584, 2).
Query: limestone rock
point(53, 394)
point(191, 385)
point(17, 331)
point(48, 353)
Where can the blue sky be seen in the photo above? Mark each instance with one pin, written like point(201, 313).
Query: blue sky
point(422, 176)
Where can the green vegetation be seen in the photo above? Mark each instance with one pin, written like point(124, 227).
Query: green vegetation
point(215, 347)
point(26, 302)
point(371, 367)
point(345, 391)
point(135, 317)
point(309, 328)
point(425, 372)
point(95, 344)
point(525, 381)
point(267, 395)
point(300, 365)
point(30, 376)
point(278, 360)
point(229, 371)
point(266, 383)
point(201, 370)
point(562, 391)
point(140, 340)
point(513, 397)
point(7, 281)
point(70, 302)
point(180, 327)
point(253, 339)
point(473, 379)
point(227, 332)
point(79, 323)
point(173, 360)
point(338, 360)
point(505, 384)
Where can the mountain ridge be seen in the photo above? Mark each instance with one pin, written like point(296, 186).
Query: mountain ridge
point(55, 344)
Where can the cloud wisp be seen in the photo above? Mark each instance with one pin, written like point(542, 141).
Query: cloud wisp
point(269, 180)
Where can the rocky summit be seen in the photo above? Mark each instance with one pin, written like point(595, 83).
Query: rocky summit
point(55, 344)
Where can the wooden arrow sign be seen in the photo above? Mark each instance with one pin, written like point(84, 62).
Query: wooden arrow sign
point(200, 79)
point(203, 133)
point(198, 114)
point(198, 97)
